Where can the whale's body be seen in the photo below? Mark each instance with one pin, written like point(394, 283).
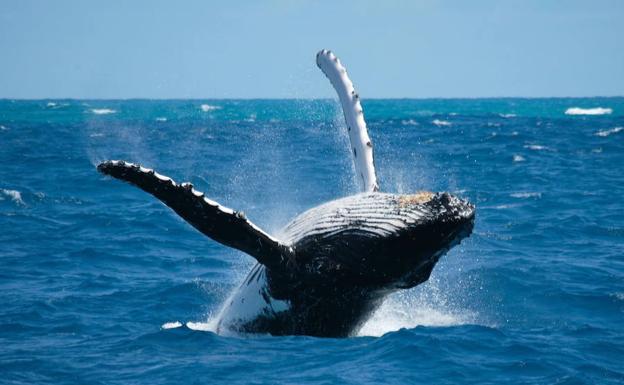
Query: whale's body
point(350, 254)
point(332, 265)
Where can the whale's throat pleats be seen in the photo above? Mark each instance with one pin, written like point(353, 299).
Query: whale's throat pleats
point(361, 145)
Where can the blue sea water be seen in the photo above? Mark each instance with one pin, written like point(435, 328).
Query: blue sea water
point(102, 284)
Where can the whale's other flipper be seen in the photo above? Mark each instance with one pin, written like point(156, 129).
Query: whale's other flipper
point(222, 224)
point(361, 144)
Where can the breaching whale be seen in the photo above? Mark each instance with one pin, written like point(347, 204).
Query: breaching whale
point(334, 264)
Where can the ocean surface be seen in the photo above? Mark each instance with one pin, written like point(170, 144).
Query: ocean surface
point(102, 284)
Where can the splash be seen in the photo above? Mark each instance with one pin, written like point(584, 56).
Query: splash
point(171, 325)
point(425, 305)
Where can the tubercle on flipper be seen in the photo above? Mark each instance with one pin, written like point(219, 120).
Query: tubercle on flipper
point(187, 186)
point(353, 112)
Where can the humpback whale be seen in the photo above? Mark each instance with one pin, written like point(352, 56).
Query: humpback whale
point(334, 264)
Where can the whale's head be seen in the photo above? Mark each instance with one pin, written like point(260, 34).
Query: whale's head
point(378, 240)
point(435, 222)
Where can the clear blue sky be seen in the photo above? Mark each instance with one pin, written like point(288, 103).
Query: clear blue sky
point(247, 49)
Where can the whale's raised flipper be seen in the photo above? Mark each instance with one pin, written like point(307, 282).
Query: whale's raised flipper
point(222, 224)
point(361, 144)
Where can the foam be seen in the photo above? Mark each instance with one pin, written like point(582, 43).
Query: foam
point(605, 133)
point(441, 123)
point(15, 196)
point(588, 111)
point(171, 325)
point(208, 107)
point(102, 111)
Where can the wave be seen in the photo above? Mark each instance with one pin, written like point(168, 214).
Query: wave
point(208, 107)
point(526, 195)
point(15, 195)
point(507, 116)
point(535, 147)
point(588, 111)
point(102, 111)
point(604, 133)
point(161, 119)
point(441, 123)
point(409, 122)
point(3, 128)
point(518, 158)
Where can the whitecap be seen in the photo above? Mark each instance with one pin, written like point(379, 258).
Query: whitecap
point(51, 104)
point(161, 119)
point(604, 133)
point(535, 147)
point(208, 107)
point(441, 123)
point(526, 195)
point(96, 135)
point(588, 111)
point(518, 158)
point(3, 128)
point(102, 111)
point(171, 325)
point(15, 195)
point(507, 116)
point(409, 122)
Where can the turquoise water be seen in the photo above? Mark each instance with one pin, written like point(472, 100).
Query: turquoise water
point(101, 283)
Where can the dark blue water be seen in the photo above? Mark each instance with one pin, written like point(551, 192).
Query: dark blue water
point(91, 268)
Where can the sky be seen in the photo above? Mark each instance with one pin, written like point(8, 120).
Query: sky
point(266, 49)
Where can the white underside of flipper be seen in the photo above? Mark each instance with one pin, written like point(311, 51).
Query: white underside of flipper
point(361, 144)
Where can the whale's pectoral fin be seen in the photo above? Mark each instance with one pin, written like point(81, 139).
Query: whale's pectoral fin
point(222, 224)
point(361, 145)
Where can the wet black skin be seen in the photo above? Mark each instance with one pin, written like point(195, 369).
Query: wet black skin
point(338, 282)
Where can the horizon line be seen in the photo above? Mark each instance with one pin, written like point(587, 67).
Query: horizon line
point(310, 98)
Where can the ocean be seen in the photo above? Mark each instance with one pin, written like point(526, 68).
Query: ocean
point(102, 284)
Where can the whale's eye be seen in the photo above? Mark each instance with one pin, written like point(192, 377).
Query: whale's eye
point(415, 199)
